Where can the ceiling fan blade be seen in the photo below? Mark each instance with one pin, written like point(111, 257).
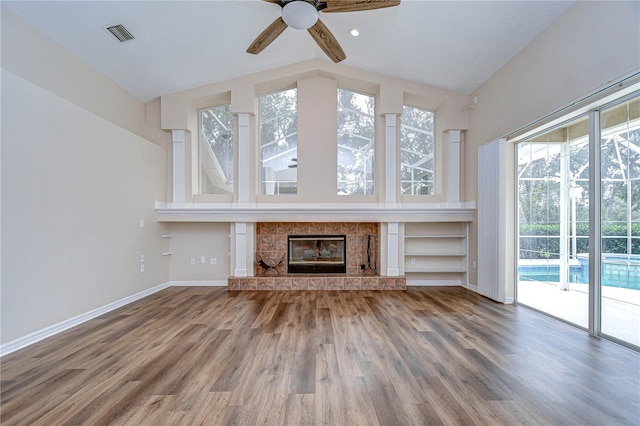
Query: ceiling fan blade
point(357, 5)
point(267, 36)
point(327, 41)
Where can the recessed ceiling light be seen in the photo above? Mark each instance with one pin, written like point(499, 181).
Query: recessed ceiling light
point(354, 32)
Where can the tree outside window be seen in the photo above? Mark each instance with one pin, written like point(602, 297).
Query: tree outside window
point(417, 152)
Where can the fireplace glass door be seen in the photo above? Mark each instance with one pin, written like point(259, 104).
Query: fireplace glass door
point(317, 254)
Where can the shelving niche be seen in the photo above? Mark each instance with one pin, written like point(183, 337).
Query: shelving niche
point(436, 253)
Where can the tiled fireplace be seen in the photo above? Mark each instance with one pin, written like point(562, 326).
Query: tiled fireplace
point(362, 259)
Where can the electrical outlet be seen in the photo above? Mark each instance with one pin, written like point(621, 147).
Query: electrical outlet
point(141, 223)
point(213, 261)
point(142, 258)
point(413, 260)
point(474, 264)
point(193, 261)
point(203, 259)
point(141, 268)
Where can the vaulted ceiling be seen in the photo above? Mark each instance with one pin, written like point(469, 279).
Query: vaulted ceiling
point(454, 45)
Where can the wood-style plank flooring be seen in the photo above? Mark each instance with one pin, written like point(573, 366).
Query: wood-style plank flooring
point(423, 356)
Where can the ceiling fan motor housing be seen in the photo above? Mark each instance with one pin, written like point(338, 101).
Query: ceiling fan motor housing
point(299, 14)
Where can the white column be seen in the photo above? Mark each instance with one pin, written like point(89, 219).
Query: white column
point(177, 139)
point(564, 216)
point(454, 166)
point(240, 269)
point(391, 160)
point(243, 158)
point(393, 250)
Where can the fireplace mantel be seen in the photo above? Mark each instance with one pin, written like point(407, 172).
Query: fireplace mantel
point(298, 212)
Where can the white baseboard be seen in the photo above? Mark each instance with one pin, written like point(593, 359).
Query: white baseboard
point(39, 335)
point(509, 300)
point(472, 287)
point(215, 283)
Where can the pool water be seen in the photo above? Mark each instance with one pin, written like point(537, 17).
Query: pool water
point(613, 274)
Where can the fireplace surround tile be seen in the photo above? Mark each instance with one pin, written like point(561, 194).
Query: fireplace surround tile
point(271, 245)
point(271, 241)
point(265, 284)
point(311, 282)
point(352, 283)
point(299, 283)
point(317, 283)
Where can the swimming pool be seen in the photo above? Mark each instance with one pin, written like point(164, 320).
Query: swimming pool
point(617, 271)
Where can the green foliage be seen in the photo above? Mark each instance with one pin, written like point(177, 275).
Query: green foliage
point(542, 241)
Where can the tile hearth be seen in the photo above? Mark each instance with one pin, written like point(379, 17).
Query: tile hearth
point(317, 282)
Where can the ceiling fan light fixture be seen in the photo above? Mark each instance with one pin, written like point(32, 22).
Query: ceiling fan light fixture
point(299, 14)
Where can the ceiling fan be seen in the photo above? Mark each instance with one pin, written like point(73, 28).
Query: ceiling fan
point(303, 15)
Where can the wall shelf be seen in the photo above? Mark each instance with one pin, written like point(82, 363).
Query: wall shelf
point(436, 253)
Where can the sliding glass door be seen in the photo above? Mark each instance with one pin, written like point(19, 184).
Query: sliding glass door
point(620, 220)
point(553, 217)
point(556, 206)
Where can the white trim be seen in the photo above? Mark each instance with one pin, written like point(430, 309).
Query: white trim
point(39, 335)
point(178, 149)
point(240, 268)
point(508, 300)
point(454, 165)
point(243, 158)
point(191, 212)
point(391, 181)
point(214, 283)
point(393, 250)
point(472, 287)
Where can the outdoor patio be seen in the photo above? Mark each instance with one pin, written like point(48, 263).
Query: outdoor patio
point(620, 306)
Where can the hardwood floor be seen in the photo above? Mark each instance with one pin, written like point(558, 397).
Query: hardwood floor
point(422, 356)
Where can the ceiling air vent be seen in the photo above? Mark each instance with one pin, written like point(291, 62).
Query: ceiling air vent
point(120, 32)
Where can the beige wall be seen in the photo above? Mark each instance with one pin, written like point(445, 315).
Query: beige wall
point(74, 187)
point(77, 177)
point(196, 240)
point(30, 54)
point(589, 45)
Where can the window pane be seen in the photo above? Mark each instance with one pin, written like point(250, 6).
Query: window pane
point(356, 138)
point(216, 150)
point(553, 215)
point(417, 149)
point(279, 142)
point(620, 279)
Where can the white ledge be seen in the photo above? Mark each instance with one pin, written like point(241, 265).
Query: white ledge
point(298, 212)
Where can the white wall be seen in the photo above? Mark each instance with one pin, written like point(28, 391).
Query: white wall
point(77, 178)
point(589, 45)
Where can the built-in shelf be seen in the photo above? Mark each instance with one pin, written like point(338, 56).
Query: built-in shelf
point(435, 270)
point(436, 253)
point(436, 236)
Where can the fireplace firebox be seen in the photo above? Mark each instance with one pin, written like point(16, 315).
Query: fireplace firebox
point(316, 254)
